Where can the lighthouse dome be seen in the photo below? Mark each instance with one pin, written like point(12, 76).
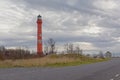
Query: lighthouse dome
point(39, 16)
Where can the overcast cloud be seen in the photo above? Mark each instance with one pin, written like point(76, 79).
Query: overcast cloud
point(93, 24)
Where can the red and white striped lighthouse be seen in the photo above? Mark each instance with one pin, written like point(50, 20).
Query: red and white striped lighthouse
point(39, 35)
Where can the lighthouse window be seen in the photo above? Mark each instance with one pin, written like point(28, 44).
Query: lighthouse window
point(40, 41)
point(40, 35)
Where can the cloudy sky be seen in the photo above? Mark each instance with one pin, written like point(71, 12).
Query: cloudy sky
point(93, 24)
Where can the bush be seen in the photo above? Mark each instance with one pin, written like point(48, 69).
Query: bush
point(2, 57)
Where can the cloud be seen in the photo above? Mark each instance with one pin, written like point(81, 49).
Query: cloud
point(92, 23)
point(106, 4)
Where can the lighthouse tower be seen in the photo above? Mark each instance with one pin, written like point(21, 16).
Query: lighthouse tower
point(39, 35)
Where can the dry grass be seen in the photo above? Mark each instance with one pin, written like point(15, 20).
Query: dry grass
point(51, 60)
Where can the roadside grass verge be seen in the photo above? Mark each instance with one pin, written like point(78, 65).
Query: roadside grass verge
point(51, 61)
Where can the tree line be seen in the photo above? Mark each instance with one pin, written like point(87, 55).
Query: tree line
point(49, 48)
point(17, 53)
point(69, 48)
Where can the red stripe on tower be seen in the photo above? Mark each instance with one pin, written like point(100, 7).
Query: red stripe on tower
point(39, 35)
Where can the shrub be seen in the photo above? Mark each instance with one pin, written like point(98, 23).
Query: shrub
point(2, 57)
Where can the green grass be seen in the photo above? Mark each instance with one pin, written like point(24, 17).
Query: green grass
point(51, 61)
point(75, 63)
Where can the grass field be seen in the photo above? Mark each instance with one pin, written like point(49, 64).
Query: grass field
point(51, 61)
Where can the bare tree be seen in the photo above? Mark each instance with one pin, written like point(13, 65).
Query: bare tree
point(51, 43)
point(78, 50)
point(2, 49)
point(2, 52)
point(50, 47)
point(66, 48)
point(69, 48)
point(101, 55)
point(108, 54)
point(46, 48)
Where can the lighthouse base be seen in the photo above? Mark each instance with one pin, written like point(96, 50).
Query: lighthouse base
point(40, 54)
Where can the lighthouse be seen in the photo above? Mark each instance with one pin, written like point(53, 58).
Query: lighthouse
point(39, 35)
